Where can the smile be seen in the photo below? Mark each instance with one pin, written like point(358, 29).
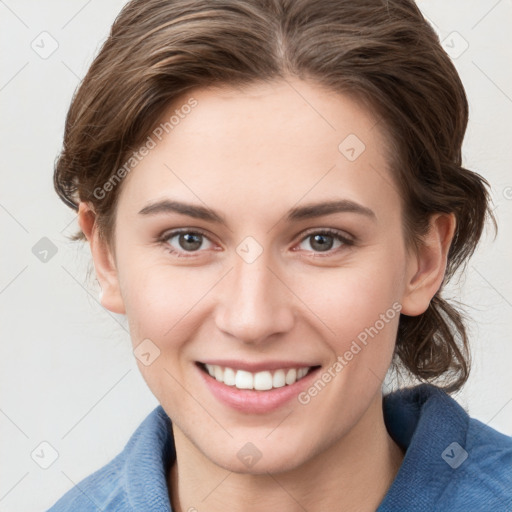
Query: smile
point(259, 381)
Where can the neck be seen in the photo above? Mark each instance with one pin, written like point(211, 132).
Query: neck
point(353, 474)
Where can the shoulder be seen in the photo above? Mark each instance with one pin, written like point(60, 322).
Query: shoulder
point(134, 480)
point(452, 461)
point(482, 469)
point(102, 490)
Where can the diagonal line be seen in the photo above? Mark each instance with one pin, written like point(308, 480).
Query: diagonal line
point(79, 78)
point(190, 190)
point(390, 183)
point(492, 81)
point(14, 423)
point(493, 287)
point(69, 224)
point(197, 401)
point(90, 498)
point(279, 424)
point(491, 9)
point(13, 217)
point(376, 376)
point(111, 388)
point(199, 300)
point(309, 104)
point(376, 122)
point(14, 485)
point(76, 14)
point(386, 389)
point(312, 187)
point(14, 76)
point(230, 473)
point(291, 496)
point(4, 4)
point(94, 298)
point(13, 279)
point(499, 411)
point(301, 300)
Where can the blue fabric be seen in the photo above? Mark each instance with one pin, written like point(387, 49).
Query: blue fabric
point(452, 462)
point(435, 475)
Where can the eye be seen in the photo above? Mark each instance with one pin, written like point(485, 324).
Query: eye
point(324, 240)
point(180, 242)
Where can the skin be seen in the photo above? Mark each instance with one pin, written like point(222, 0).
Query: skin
point(252, 154)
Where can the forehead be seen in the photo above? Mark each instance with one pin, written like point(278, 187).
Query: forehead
point(266, 143)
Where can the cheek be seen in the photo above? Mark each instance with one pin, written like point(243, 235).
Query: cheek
point(359, 305)
point(349, 299)
point(168, 305)
point(158, 298)
point(161, 306)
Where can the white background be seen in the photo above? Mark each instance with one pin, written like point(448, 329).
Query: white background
point(68, 376)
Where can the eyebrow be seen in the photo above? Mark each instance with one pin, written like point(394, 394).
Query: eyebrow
point(308, 211)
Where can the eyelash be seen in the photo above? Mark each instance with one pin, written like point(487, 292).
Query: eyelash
point(346, 241)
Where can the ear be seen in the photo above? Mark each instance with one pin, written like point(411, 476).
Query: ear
point(104, 261)
point(427, 266)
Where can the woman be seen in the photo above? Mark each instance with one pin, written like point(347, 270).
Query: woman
point(273, 195)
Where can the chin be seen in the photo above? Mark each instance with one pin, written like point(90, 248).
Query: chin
point(262, 467)
point(251, 460)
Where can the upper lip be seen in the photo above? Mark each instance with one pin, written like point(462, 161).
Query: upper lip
point(256, 367)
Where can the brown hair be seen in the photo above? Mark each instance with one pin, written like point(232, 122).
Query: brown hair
point(381, 51)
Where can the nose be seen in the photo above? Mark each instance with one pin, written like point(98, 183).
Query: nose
point(255, 303)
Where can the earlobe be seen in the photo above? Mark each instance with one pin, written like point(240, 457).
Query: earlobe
point(427, 267)
point(104, 264)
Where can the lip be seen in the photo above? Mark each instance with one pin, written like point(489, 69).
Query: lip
point(257, 367)
point(251, 401)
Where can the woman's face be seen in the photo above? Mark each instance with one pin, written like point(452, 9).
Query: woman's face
point(258, 284)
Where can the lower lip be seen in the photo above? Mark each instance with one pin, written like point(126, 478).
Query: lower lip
point(255, 402)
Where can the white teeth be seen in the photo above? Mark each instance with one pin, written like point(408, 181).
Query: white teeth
point(278, 380)
point(291, 376)
point(263, 381)
point(229, 376)
point(243, 380)
point(218, 373)
point(260, 381)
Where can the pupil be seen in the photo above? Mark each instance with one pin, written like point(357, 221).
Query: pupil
point(187, 239)
point(323, 246)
